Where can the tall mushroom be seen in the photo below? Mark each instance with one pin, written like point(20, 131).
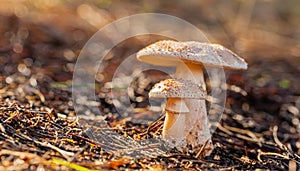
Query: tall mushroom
point(189, 59)
point(176, 90)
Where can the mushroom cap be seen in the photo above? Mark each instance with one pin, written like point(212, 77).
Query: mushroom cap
point(177, 88)
point(170, 53)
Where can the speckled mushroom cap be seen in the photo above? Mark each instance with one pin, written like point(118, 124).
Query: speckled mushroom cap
point(170, 53)
point(177, 88)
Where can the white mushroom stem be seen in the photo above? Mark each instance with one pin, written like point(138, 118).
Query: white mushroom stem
point(173, 129)
point(196, 121)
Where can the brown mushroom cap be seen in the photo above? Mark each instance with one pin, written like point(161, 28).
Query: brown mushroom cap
point(170, 53)
point(177, 88)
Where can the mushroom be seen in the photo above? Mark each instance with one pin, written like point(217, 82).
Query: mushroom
point(176, 90)
point(189, 59)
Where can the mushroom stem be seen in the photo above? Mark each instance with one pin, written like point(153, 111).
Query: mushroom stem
point(192, 72)
point(173, 129)
point(197, 129)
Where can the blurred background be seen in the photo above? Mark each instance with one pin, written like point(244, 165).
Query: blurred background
point(255, 26)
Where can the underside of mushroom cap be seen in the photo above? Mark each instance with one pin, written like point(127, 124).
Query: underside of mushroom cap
point(176, 106)
point(177, 88)
point(169, 53)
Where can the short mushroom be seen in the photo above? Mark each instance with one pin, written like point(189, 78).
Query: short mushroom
point(176, 90)
point(189, 59)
